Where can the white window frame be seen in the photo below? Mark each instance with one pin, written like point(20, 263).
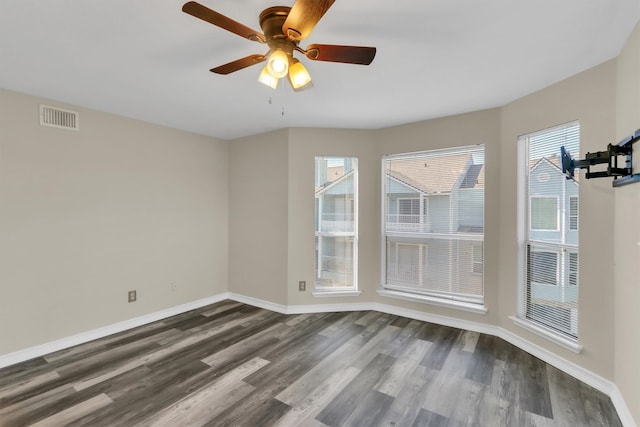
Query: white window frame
point(429, 298)
point(523, 227)
point(339, 291)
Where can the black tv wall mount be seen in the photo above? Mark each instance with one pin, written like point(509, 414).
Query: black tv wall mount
point(622, 175)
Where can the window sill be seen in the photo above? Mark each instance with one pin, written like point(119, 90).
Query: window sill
point(336, 293)
point(543, 332)
point(458, 305)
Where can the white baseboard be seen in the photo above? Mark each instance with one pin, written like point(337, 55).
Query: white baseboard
point(267, 305)
point(605, 386)
point(84, 337)
point(299, 309)
point(621, 407)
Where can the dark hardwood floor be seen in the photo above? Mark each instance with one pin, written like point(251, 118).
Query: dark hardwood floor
point(231, 364)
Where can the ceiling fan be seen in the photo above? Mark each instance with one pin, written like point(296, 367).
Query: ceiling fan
point(284, 27)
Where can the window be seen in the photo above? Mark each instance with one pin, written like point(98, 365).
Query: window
point(573, 268)
point(336, 194)
point(433, 229)
point(573, 213)
point(544, 213)
point(409, 211)
point(549, 246)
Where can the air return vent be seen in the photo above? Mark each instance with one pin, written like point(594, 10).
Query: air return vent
point(59, 118)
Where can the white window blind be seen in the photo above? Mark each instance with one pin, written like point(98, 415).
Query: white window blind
point(433, 205)
point(336, 225)
point(549, 295)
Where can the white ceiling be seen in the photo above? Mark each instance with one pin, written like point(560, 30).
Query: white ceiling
point(148, 60)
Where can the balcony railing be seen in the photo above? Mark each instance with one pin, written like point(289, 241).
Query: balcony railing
point(408, 223)
point(337, 265)
point(336, 222)
point(398, 272)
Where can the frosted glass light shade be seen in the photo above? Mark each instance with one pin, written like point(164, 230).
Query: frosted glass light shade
point(267, 79)
point(278, 64)
point(298, 75)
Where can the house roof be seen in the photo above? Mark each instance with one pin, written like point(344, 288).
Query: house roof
point(436, 175)
point(334, 176)
point(553, 161)
point(334, 173)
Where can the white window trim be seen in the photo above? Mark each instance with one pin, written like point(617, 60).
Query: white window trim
point(547, 333)
point(330, 291)
point(524, 215)
point(409, 296)
point(335, 293)
point(440, 302)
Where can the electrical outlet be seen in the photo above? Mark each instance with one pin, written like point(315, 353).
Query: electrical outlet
point(132, 296)
point(302, 285)
point(174, 287)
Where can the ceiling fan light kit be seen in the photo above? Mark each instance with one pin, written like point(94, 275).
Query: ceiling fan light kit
point(283, 29)
point(267, 79)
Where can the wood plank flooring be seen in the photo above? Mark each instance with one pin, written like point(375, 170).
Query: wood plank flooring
point(230, 364)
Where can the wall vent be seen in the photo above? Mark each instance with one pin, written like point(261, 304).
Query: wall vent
point(59, 118)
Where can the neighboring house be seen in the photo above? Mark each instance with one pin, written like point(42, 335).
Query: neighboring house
point(553, 253)
point(440, 205)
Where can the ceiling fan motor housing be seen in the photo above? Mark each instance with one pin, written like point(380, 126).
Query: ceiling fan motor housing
point(271, 21)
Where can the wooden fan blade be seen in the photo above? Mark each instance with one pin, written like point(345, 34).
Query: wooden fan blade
point(202, 12)
point(336, 53)
point(303, 17)
point(239, 64)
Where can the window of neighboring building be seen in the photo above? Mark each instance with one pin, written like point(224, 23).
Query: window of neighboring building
point(336, 234)
point(433, 232)
point(573, 268)
point(573, 213)
point(544, 213)
point(409, 210)
point(549, 245)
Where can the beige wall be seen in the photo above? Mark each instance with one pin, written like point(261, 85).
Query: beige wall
point(87, 216)
point(590, 98)
point(482, 127)
point(304, 146)
point(627, 235)
point(258, 178)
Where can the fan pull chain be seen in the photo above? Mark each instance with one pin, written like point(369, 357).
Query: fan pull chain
point(281, 108)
